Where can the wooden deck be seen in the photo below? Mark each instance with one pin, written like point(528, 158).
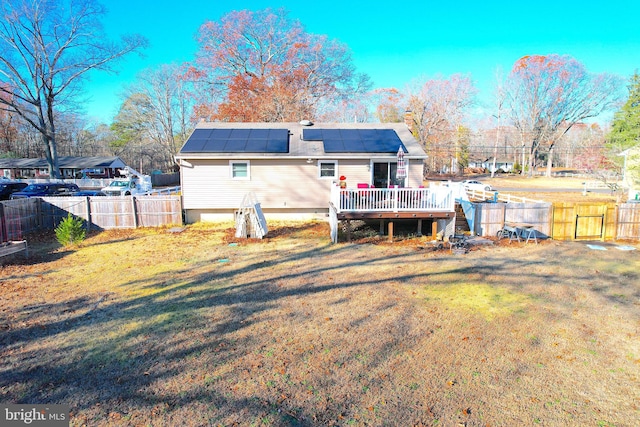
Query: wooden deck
point(408, 203)
point(389, 204)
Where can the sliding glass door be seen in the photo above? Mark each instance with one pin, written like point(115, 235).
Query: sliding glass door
point(384, 175)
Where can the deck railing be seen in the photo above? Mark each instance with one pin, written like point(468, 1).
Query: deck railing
point(435, 199)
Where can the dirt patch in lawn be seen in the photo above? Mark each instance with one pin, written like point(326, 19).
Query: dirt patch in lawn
point(165, 328)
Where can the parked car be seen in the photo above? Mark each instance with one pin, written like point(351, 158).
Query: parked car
point(89, 193)
point(46, 190)
point(7, 188)
point(473, 185)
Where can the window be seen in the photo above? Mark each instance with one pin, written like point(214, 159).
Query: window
point(328, 169)
point(240, 170)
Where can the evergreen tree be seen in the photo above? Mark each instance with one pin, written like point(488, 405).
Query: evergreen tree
point(624, 139)
point(625, 130)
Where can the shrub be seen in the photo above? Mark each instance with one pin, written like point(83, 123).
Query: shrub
point(70, 231)
point(517, 168)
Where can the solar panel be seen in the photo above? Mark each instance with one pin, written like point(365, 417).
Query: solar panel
point(278, 145)
point(214, 145)
point(368, 133)
point(194, 145)
point(331, 134)
point(351, 134)
point(240, 133)
point(333, 146)
point(282, 134)
point(235, 146)
point(201, 133)
point(234, 140)
point(259, 133)
point(256, 146)
point(355, 140)
point(221, 133)
point(312, 134)
point(354, 146)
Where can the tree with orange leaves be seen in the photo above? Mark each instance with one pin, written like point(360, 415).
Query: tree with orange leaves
point(263, 66)
point(548, 94)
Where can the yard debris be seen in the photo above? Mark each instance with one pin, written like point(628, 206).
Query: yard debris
point(597, 247)
point(626, 248)
point(176, 229)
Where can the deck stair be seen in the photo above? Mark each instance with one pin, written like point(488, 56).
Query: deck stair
point(461, 220)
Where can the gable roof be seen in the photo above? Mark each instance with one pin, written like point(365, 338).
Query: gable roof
point(296, 140)
point(65, 162)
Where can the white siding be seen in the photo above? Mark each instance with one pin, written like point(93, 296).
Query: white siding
point(415, 173)
point(281, 184)
point(278, 184)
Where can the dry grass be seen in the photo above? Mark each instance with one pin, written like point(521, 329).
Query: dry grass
point(149, 327)
point(534, 188)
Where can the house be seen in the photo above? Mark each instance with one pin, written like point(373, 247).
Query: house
point(70, 167)
point(291, 168)
point(502, 164)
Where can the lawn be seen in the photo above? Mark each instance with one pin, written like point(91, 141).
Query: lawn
point(193, 328)
point(574, 186)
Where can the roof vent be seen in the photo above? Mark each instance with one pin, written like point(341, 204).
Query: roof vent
point(306, 123)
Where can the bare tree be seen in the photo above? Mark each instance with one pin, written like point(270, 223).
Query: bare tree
point(46, 48)
point(168, 108)
point(437, 110)
point(499, 98)
point(547, 95)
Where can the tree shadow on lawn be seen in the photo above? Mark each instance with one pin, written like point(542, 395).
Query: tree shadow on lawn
point(187, 344)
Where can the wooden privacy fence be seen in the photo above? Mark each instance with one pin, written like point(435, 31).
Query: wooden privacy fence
point(562, 221)
point(491, 217)
point(98, 212)
point(628, 216)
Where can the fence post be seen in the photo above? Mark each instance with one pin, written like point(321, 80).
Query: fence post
point(3, 225)
point(616, 220)
point(39, 214)
point(87, 200)
point(133, 210)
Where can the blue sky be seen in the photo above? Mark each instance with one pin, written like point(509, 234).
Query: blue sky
point(394, 43)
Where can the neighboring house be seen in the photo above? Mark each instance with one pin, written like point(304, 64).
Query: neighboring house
point(70, 167)
point(505, 165)
point(290, 167)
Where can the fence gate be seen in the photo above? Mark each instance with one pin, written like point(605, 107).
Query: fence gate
point(584, 221)
point(590, 222)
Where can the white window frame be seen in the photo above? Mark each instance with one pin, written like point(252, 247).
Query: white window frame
point(232, 163)
point(335, 169)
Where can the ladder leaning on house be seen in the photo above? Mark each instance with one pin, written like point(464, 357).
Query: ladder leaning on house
point(250, 221)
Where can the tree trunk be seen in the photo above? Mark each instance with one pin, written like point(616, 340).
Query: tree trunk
point(549, 161)
point(51, 155)
point(532, 160)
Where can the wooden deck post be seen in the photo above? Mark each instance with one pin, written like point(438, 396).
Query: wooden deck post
point(391, 231)
point(419, 232)
point(434, 228)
